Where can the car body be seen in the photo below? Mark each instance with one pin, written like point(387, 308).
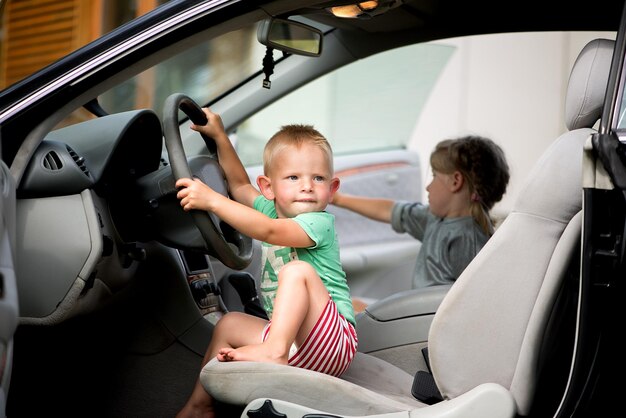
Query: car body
point(110, 291)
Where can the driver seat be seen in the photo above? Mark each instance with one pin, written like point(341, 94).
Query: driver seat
point(493, 342)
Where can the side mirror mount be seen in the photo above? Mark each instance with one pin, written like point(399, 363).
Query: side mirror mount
point(290, 36)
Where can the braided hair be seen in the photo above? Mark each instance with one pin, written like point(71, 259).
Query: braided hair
point(483, 166)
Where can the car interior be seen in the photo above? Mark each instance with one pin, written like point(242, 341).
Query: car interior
point(502, 336)
point(112, 292)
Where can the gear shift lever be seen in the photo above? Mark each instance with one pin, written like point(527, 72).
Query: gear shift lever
point(245, 286)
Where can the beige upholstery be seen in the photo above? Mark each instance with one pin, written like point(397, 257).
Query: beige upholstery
point(485, 339)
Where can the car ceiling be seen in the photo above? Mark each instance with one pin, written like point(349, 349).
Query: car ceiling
point(433, 19)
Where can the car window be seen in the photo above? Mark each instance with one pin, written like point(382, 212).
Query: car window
point(413, 97)
point(369, 105)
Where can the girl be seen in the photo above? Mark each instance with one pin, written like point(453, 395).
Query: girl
point(470, 175)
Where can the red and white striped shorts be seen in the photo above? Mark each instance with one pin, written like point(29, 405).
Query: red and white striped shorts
point(330, 346)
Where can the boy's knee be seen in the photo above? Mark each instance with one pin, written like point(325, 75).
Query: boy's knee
point(228, 320)
point(296, 269)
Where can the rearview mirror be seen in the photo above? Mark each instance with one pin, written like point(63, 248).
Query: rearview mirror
point(290, 36)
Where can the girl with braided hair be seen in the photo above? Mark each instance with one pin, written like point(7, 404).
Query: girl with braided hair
point(470, 174)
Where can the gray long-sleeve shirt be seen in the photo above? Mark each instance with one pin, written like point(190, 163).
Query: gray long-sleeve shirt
point(448, 244)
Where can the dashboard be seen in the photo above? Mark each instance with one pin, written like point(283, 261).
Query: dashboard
point(74, 199)
point(100, 153)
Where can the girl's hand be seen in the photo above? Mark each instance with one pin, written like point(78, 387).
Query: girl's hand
point(194, 194)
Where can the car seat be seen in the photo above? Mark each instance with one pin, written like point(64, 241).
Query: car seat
point(492, 342)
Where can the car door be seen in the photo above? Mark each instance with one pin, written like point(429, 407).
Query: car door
point(598, 358)
point(8, 289)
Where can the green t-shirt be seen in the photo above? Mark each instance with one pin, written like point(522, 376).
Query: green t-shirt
point(323, 256)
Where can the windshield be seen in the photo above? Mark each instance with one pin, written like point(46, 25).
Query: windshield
point(203, 72)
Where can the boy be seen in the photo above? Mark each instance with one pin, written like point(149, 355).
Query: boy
point(303, 289)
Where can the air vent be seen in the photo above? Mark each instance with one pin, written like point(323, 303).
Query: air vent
point(52, 161)
point(80, 161)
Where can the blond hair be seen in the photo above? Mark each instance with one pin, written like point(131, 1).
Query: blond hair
point(295, 136)
point(484, 167)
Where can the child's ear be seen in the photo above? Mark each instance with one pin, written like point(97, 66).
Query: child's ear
point(265, 186)
point(334, 186)
point(458, 181)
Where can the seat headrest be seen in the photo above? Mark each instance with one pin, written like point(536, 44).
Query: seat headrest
point(587, 84)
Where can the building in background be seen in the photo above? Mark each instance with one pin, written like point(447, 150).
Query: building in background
point(29, 26)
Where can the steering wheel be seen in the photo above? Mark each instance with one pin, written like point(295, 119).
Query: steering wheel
point(236, 251)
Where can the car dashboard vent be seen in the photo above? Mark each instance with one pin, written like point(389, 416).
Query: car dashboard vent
point(52, 161)
point(80, 161)
point(55, 170)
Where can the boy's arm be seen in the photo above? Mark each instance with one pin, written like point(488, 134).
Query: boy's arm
point(286, 232)
point(373, 208)
point(239, 184)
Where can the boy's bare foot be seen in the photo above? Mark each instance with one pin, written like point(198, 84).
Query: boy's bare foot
point(224, 354)
point(257, 352)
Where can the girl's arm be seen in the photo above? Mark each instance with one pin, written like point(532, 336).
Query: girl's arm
point(286, 232)
point(239, 184)
point(373, 208)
